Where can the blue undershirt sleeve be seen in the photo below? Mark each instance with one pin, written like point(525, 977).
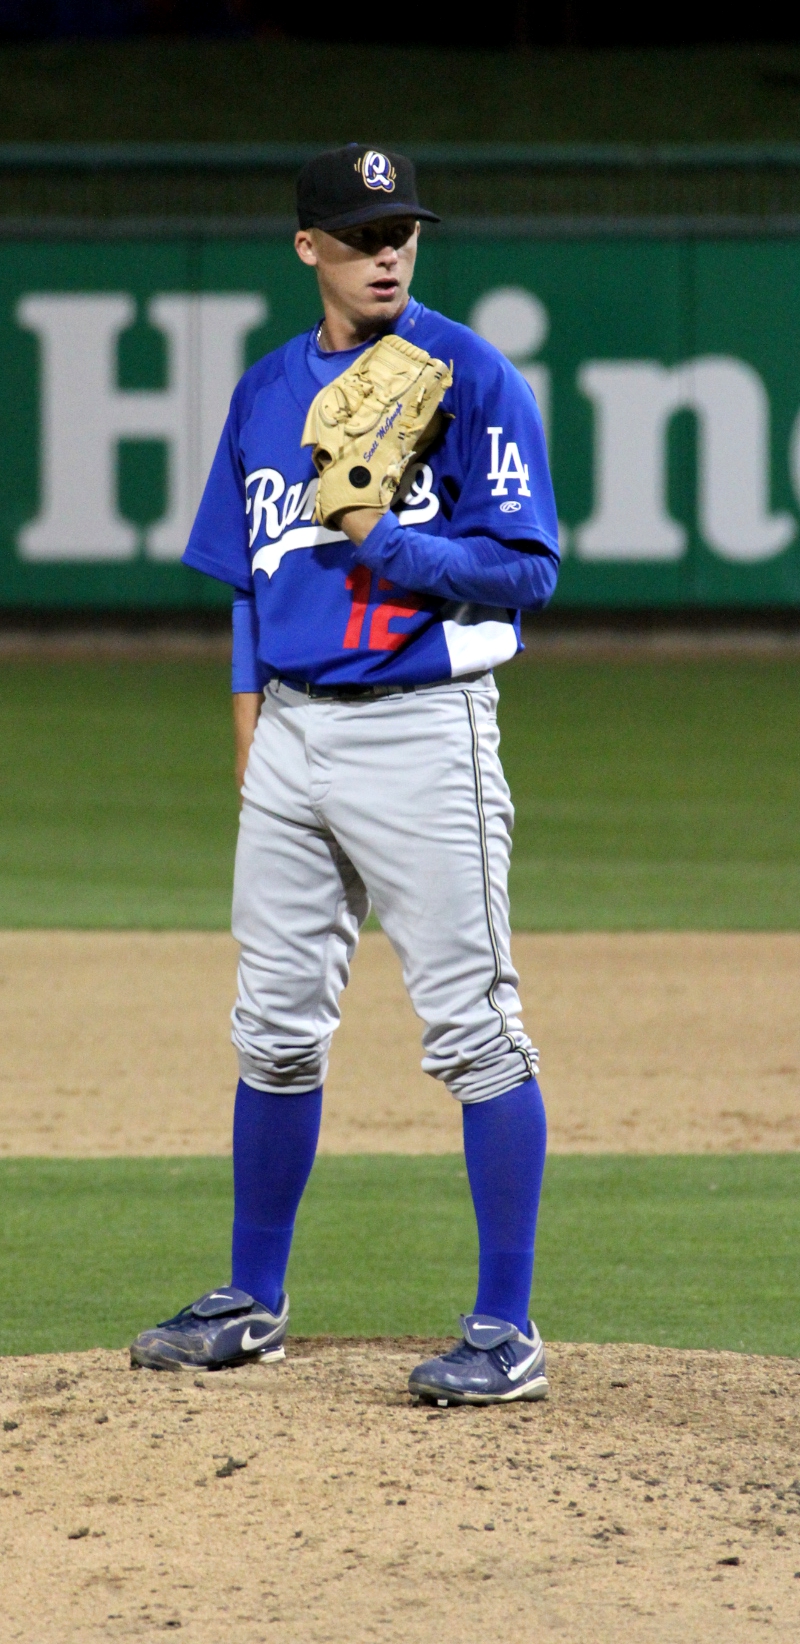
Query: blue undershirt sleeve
point(247, 672)
point(478, 568)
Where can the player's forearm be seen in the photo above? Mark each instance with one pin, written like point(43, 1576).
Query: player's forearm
point(246, 709)
point(478, 569)
point(248, 673)
point(248, 677)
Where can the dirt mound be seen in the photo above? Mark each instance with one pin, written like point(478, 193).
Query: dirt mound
point(657, 1491)
point(117, 1042)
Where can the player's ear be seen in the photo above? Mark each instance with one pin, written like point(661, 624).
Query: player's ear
point(305, 247)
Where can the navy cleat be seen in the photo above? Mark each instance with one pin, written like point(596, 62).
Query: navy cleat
point(494, 1364)
point(223, 1328)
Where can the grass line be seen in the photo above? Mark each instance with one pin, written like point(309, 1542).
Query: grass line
point(679, 1251)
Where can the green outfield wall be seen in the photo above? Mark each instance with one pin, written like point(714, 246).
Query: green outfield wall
point(667, 368)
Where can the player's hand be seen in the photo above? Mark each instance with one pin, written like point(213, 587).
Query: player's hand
point(358, 522)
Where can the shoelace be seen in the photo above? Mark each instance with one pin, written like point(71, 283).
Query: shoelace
point(177, 1318)
point(501, 1356)
point(461, 1354)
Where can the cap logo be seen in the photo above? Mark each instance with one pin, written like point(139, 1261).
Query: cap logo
point(377, 170)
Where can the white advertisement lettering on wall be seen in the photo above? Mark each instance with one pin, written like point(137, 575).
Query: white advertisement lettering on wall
point(668, 461)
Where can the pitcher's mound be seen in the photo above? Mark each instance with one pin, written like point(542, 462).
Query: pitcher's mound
point(654, 1497)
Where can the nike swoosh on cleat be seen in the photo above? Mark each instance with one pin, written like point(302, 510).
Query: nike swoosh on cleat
point(483, 1327)
point(249, 1341)
point(519, 1369)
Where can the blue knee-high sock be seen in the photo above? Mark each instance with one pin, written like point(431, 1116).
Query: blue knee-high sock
point(505, 1141)
point(274, 1142)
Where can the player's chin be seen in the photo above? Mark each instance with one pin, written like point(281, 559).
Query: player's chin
point(385, 313)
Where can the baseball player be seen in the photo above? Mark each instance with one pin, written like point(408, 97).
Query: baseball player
point(381, 504)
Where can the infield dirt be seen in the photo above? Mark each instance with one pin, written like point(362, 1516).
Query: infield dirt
point(656, 1495)
point(118, 1043)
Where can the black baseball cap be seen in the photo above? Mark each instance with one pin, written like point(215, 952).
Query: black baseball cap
point(344, 187)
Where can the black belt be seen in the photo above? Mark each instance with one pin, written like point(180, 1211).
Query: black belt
point(367, 693)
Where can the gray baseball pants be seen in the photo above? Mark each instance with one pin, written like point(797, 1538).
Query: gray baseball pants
point(400, 802)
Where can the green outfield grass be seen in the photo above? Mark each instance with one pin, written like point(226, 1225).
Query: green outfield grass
point(654, 795)
point(682, 1252)
point(117, 802)
point(649, 796)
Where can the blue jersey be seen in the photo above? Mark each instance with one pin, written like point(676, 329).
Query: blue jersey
point(435, 590)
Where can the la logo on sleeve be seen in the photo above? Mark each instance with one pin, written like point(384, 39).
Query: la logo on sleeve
point(511, 470)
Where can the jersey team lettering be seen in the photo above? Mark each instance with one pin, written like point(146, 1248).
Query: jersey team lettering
point(265, 488)
point(270, 486)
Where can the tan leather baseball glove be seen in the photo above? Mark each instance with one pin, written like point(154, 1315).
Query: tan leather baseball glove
point(370, 423)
